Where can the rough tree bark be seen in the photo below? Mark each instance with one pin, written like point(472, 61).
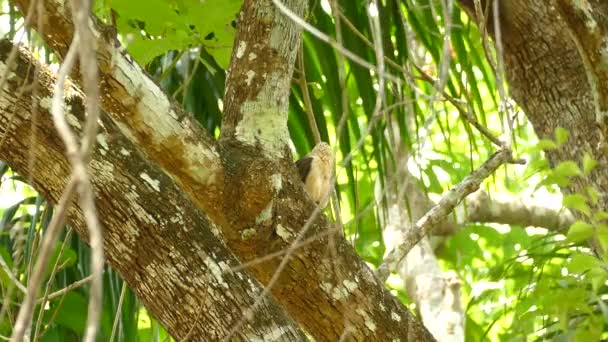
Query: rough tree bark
point(152, 239)
point(246, 185)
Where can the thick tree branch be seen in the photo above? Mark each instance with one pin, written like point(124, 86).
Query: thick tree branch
point(481, 207)
point(261, 207)
point(258, 83)
point(142, 111)
point(330, 294)
point(169, 253)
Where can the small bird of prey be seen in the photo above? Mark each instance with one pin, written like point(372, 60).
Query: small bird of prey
point(316, 170)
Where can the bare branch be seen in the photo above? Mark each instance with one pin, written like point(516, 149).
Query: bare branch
point(88, 68)
point(25, 312)
point(447, 203)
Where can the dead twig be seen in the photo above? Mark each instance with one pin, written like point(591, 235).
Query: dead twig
point(436, 214)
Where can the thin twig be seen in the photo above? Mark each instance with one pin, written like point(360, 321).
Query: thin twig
point(25, 312)
point(49, 283)
point(436, 214)
point(89, 71)
point(118, 314)
point(57, 110)
point(67, 289)
point(325, 38)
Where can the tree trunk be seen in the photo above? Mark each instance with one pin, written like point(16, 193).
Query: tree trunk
point(557, 74)
point(247, 187)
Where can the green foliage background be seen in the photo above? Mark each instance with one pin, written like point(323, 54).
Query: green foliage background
point(518, 283)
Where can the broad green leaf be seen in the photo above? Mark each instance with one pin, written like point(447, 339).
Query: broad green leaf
point(580, 231)
point(567, 169)
point(602, 237)
point(157, 15)
point(577, 202)
point(547, 145)
point(594, 194)
point(6, 256)
point(582, 263)
point(144, 50)
point(68, 258)
point(600, 215)
point(597, 276)
point(178, 25)
point(588, 163)
point(72, 312)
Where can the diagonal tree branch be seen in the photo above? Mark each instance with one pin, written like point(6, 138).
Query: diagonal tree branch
point(142, 111)
point(169, 253)
point(255, 199)
point(438, 213)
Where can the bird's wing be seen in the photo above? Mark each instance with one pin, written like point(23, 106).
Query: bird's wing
point(303, 166)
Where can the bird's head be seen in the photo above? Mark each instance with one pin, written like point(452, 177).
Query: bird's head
point(323, 152)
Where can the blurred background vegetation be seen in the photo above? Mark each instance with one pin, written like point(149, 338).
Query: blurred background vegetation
point(519, 283)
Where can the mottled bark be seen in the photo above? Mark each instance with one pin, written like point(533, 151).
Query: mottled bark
point(144, 114)
point(255, 199)
point(259, 79)
point(166, 249)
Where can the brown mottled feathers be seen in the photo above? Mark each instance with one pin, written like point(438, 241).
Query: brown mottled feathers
point(316, 171)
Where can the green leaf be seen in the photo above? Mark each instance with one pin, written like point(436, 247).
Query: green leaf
point(580, 231)
point(561, 135)
point(597, 276)
point(72, 312)
point(602, 236)
point(600, 216)
point(317, 91)
point(567, 168)
point(6, 256)
point(577, 202)
point(581, 263)
point(554, 179)
point(546, 145)
point(588, 163)
point(593, 194)
point(68, 258)
point(144, 50)
point(178, 25)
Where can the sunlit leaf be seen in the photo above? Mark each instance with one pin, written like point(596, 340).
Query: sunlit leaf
point(577, 202)
point(580, 231)
point(588, 163)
